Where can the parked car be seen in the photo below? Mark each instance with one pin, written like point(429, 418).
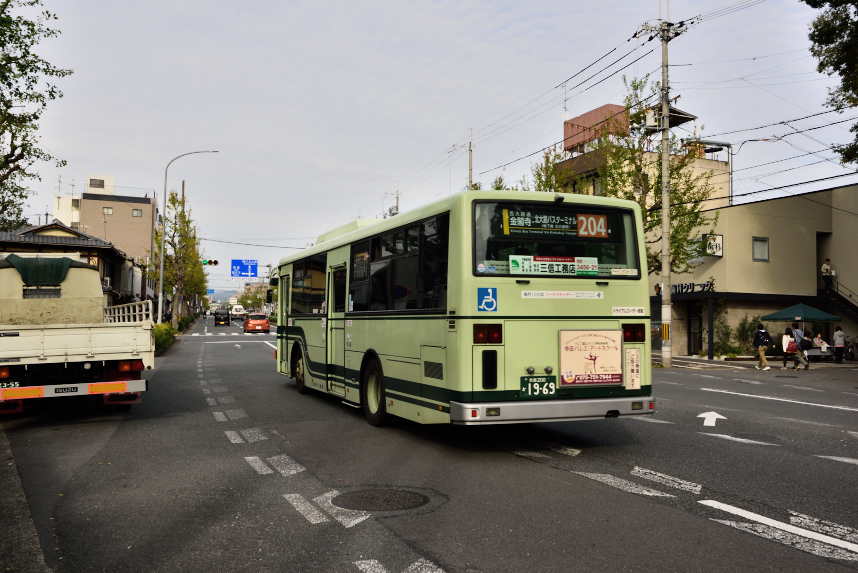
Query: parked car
point(257, 323)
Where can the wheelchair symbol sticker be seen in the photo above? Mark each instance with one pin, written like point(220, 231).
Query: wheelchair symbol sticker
point(487, 299)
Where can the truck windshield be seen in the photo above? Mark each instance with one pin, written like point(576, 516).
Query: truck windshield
point(548, 240)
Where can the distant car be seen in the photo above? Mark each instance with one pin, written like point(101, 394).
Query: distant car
point(257, 323)
point(221, 317)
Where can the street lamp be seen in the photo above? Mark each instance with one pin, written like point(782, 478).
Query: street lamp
point(163, 228)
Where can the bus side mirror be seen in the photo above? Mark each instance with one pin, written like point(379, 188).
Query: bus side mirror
point(269, 296)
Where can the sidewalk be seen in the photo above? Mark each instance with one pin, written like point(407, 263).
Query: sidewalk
point(750, 362)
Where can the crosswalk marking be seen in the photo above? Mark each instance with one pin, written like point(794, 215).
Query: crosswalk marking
point(219, 416)
point(258, 465)
point(236, 414)
point(234, 437)
point(285, 465)
point(667, 480)
point(211, 401)
point(624, 485)
point(226, 400)
point(305, 508)
point(349, 518)
point(253, 435)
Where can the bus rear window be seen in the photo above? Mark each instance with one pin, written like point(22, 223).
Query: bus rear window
point(544, 240)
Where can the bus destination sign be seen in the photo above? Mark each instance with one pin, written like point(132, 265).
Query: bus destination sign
point(529, 222)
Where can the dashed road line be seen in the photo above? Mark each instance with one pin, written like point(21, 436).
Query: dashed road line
point(755, 382)
point(559, 448)
point(649, 419)
point(212, 401)
point(236, 414)
point(667, 480)
point(805, 422)
point(347, 517)
point(785, 527)
point(219, 416)
point(833, 407)
point(206, 391)
point(258, 465)
point(253, 435)
point(803, 388)
point(740, 440)
point(528, 454)
point(305, 508)
point(790, 539)
point(234, 437)
point(219, 389)
point(839, 459)
point(624, 485)
point(420, 566)
point(285, 465)
point(225, 400)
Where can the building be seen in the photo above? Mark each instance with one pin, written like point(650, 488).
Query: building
point(122, 278)
point(766, 256)
point(123, 216)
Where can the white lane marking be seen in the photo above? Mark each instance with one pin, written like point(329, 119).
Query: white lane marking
point(803, 388)
point(780, 399)
point(219, 389)
point(670, 383)
point(624, 485)
point(271, 345)
point(203, 383)
point(839, 459)
point(235, 334)
point(560, 448)
point(285, 465)
point(750, 381)
point(707, 376)
point(853, 434)
point(804, 422)
point(258, 465)
point(348, 517)
point(735, 439)
point(649, 419)
point(528, 454)
point(212, 401)
point(206, 391)
point(305, 508)
point(791, 540)
point(236, 414)
point(219, 416)
point(208, 333)
point(195, 334)
point(201, 375)
point(199, 368)
point(420, 566)
point(782, 526)
point(667, 480)
point(226, 400)
point(253, 435)
point(234, 437)
point(824, 527)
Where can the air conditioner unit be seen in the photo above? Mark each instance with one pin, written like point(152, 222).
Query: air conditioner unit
point(105, 282)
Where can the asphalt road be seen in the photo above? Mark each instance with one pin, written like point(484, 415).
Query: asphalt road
point(224, 466)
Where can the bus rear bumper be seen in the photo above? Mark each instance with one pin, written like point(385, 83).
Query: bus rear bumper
point(484, 413)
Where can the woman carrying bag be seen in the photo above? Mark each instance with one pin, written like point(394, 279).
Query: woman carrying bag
point(789, 347)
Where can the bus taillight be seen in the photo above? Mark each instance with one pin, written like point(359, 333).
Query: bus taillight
point(634, 333)
point(488, 333)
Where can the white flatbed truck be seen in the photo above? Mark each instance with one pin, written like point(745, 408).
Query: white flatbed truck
point(58, 339)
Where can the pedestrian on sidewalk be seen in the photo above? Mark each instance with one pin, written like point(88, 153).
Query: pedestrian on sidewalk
point(789, 346)
point(762, 342)
point(798, 335)
point(839, 345)
point(827, 273)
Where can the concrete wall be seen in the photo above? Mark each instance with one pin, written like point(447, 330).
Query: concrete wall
point(132, 235)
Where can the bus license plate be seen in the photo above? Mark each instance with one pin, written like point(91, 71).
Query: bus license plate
point(538, 387)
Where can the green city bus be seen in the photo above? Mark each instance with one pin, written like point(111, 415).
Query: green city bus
point(486, 307)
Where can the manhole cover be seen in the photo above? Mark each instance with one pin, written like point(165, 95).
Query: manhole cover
point(380, 500)
point(758, 437)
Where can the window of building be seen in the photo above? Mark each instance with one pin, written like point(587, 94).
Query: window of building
point(107, 210)
point(136, 212)
point(760, 249)
point(96, 183)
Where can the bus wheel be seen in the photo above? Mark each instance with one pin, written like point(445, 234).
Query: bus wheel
point(372, 394)
point(298, 371)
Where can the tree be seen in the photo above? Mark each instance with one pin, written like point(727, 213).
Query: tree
point(183, 267)
point(834, 34)
point(629, 167)
point(24, 94)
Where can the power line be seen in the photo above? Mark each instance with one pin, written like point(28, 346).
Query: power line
point(252, 245)
point(771, 124)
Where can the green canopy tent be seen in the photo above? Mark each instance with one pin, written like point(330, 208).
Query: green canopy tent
point(801, 312)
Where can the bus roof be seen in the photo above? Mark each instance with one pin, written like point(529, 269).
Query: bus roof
point(347, 234)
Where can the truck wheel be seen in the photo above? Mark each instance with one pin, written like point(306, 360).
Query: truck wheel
point(372, 394)
point(298, 371)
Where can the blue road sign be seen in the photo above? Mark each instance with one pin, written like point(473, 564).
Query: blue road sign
point(210, 291)
point(243, 268)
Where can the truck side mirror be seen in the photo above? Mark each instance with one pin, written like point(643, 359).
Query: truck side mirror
point(269, 296)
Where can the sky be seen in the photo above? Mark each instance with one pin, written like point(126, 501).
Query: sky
point(321, 110)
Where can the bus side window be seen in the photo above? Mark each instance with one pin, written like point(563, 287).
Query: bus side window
point(359, 278)
point(432, 287)
point(380, 286)
point(318, 274)
point(300, 289)
point(340, 290)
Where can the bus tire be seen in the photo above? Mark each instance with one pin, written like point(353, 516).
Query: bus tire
point(298, 370)
point(372, 395)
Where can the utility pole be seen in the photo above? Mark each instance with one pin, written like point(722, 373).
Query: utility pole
point(666, 30)
point(471, 161)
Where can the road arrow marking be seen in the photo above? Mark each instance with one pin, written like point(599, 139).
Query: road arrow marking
point(709, 418)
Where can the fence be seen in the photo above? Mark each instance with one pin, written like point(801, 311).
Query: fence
point(133, 312)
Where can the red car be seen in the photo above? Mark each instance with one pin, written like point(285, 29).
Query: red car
point(257, 323)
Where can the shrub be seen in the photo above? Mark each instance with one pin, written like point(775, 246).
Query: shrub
point(164, 336)
point(185, 322)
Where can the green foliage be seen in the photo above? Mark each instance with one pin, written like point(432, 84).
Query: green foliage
point(24, 95)
point(745, 334)
point(185, 322)
point(164, 336)
point(834, 34)
point(546, 178)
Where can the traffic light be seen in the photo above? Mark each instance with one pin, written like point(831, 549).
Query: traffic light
point(209, 262)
